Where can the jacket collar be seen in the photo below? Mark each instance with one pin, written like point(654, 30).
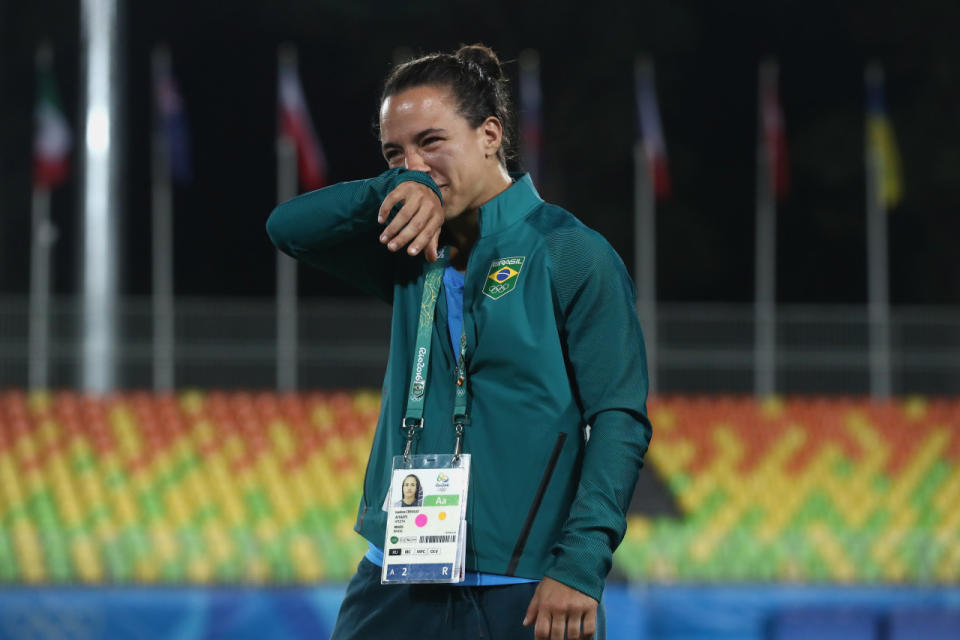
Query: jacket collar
point(511, 205)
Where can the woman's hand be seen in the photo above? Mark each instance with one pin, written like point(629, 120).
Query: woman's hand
point(417, 223)
point(556, 608)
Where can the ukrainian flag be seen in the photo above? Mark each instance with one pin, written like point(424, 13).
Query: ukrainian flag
point(881, 143)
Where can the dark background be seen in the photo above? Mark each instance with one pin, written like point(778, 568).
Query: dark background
point(706, 54)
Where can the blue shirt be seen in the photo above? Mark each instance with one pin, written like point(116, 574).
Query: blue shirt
point(453, 287)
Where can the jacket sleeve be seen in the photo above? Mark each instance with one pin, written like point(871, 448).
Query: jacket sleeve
point(607, 362)
point(334, 229)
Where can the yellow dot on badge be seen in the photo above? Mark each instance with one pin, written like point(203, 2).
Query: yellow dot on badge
point(442, 515)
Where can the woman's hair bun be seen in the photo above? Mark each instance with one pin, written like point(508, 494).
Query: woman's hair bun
point(483, 57)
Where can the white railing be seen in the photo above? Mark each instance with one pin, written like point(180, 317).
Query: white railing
point(231, 343)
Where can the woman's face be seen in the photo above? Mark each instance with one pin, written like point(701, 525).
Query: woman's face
point(421, 129)
point(409, 489)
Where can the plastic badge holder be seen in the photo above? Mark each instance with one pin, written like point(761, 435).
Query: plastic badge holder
point(425, 538)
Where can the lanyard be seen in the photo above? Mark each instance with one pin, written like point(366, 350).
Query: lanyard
point(460, 400)
point(413, 418)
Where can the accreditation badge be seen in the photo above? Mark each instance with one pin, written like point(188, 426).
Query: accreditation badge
point(426, 519)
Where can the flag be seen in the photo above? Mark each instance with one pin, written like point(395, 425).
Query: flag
point(531, 130)
point(650, 130)
point(295, 123)
point(52, 138)
point(172, 119)
point(773, 130)
point(881, 143)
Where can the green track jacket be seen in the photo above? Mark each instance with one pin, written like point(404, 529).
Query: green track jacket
point(553, 345)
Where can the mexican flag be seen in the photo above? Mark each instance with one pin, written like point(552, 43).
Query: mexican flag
point(52, 141)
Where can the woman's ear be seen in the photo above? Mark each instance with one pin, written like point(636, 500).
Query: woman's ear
point(491, 132)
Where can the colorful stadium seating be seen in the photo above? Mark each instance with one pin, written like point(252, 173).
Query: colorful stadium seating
point(803, 490)
point(216, 487)
point(194, 488)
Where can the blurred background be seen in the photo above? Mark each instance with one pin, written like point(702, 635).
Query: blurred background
point(778, 177)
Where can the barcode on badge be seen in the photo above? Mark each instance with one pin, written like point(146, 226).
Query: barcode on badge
point(436, 539)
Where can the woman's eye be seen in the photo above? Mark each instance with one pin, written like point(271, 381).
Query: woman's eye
point(429, 141)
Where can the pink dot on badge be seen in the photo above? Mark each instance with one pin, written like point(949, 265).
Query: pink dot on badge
point(421, 520)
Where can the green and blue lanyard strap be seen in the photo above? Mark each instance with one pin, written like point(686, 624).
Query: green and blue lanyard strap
point(413, 417)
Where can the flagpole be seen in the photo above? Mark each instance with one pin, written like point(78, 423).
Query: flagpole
point(162, 242)
point(286, 266)
point(878, 288)
point(645, 239)
point(100, 196)
point(43, 235)
point(765, 277)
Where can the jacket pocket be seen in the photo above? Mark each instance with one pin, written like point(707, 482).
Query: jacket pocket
point(535, 505)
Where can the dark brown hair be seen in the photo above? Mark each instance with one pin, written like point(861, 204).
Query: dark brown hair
point(475, 79)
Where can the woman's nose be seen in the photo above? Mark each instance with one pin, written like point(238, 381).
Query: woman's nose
point(414, 161)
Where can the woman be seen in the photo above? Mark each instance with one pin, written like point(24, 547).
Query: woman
point(541, 311)
point(411, 492)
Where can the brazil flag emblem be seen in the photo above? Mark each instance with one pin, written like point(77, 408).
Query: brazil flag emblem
point(502, 277)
